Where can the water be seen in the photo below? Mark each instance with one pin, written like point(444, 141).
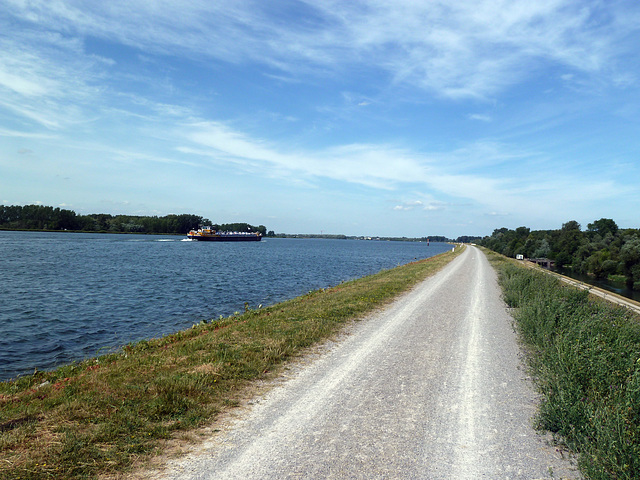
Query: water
point(616, 287)
point(66, 297)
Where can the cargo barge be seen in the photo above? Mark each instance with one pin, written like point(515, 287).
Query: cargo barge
point(210, 235)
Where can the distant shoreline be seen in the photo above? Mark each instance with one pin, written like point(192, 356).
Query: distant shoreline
point(277, 235)
point(40, 230)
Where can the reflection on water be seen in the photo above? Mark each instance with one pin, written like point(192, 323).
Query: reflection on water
point(616, 287)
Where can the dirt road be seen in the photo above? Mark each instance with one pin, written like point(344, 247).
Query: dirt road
point(430, 388)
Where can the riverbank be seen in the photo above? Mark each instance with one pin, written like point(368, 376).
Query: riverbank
point(605, 293)
point(103, 415)
point(583, 354)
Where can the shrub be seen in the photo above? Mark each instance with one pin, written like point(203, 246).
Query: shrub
point(585, 357)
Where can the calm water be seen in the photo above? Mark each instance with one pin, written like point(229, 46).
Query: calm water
point(617, 287)
point(66, 297)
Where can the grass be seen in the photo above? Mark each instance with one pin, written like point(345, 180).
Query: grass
point(585, 356)
point(100, 416)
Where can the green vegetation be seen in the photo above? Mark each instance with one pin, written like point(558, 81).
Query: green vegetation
point(603, 250)
point(585, 358)
point(38, 217)
point(101, 415)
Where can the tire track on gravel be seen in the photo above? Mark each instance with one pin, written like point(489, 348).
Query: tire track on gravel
point(430, 387)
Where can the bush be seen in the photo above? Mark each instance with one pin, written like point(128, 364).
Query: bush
point(585, 357)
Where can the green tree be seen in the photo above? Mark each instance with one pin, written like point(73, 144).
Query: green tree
point(542, 249)
point(569, 240)
point(602, 227)
point(600, 264)
point(67, 219)
point(630, 256)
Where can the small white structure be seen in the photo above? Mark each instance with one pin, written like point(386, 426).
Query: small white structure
point(519, 257)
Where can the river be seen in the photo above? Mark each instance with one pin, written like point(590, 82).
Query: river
point(70, 296)
point(616, 287)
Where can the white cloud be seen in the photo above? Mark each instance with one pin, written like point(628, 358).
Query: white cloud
point(15, 133)
point(435, 206)
point(20, 85)
point(409, 205)
point(378, 166)
point(388, 167)
point(456, 49)
point(378, 55)
point(479, 117)
point(46, 79)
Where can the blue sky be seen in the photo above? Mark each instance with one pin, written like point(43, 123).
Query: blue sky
point(364, 118)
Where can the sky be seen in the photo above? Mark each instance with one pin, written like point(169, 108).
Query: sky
point(379, 118)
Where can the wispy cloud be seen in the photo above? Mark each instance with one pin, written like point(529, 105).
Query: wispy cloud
point(378, 166)
point(410, 205)
point(497, 214)
point(479, 117)
point(436, 206)
point(475, 49)
point(19, 134)
point(390, 168)
point(457, 49)
point(46, 78)
point(413, 102)
point(452, 49)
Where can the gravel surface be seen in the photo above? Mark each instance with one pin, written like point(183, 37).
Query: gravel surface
point(432, 387)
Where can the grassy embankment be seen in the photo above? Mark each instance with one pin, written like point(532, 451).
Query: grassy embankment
point(101, 415)
point(585, 357)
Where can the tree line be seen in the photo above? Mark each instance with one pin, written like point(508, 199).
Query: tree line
point(602, 250)
point(39, 217)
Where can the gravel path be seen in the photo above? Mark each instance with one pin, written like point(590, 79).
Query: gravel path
point(430, 388)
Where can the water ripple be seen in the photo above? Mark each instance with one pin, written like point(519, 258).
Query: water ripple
point(70, 296)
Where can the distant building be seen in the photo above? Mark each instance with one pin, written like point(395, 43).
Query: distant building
point(519, 257)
